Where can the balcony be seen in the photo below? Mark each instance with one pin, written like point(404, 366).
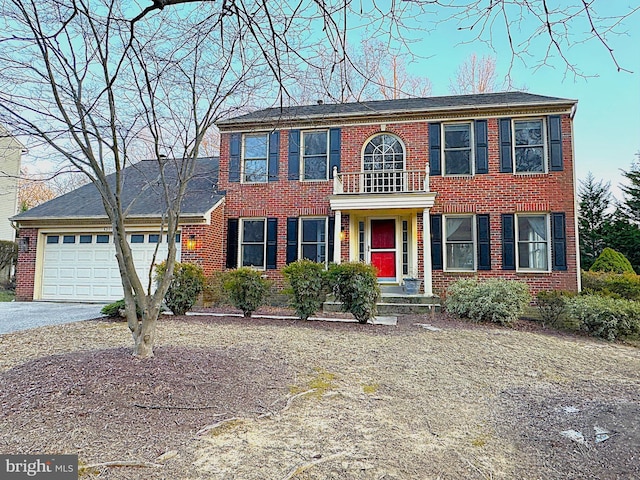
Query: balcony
point(380, 189)
point(371, 182)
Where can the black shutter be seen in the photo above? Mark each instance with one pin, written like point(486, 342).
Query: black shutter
point(234, 157)
point(506, 163)
point(508, 242)
point(292, 239)
point(274, 155)
point(272, 243)
point(482, 147)
point(294, 154)
point(559, 247)
point(484, 243)
point(436, 241)
point(434, 149)
point(334, 150)
point(331, 234)
point(555, 143)
point(232, 242)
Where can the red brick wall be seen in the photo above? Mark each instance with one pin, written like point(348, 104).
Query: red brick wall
point(26, 268)
point(492, 193)
point(209, 241)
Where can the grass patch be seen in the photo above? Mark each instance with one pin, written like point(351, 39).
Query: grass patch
point(7, 296)
point(370, 389)
point(321, 382)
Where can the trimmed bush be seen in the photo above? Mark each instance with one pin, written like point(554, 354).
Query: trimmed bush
point(611, 261)
point(213, 291)
point(246, 288)
point(187, 283)
point(499, 301)
point(307, 282)
point(552, 304)
point(355, 285)
point(116, 310)
point(608, 318)
point(625, 285)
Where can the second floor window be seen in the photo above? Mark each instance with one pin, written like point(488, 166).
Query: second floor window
point(529, 146)
point(315, 158)
point(457, 149)
point(383, 164)
point(255, 150)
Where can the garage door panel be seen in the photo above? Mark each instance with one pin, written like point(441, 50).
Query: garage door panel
point(89, 271)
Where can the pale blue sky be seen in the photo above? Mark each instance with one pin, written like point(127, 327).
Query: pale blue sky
point(607, 123)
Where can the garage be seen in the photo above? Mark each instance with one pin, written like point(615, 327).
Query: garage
point(82, 266)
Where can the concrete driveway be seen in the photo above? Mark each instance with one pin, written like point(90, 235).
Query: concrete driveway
point(15, 316)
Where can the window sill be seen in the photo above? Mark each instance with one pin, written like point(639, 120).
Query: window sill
point(530, 174)
point(465, 176)
point(533, 272)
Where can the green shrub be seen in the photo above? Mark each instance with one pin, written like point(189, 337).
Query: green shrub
point(552, 304)
point(308, 286)
point(213, 291)
point(355, 285)
point(499, 301)
point(604, 317)
point(116, 310)
point(246, 289)
point(611, 261)
point(187, 283)
point(625, 285)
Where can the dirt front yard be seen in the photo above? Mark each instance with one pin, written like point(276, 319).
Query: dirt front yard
point(229, 398)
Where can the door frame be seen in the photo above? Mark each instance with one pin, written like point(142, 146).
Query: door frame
point(398, 245)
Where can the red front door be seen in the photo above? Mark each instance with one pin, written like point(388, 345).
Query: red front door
point(383, 248)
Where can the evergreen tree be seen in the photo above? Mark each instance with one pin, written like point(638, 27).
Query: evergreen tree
point(623, 235)
point(631, 203)
point(595, 200)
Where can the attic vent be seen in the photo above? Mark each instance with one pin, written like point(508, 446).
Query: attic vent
point(320, 102)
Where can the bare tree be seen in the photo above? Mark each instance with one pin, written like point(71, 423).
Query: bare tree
point(101, 82)
point(372, 71)
point(475, 75)
point(32, 191)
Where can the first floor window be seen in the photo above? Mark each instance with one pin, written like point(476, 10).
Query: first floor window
point(533, 243)
point(314, 239)
point(252, 243)
point(315, 158)
point(255, 158)
point(529, 146)
point(460, 249)
point(457, 149)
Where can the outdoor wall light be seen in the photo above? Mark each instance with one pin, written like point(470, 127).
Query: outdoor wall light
point(343, 235)
point(191, 242)
point(23, 244)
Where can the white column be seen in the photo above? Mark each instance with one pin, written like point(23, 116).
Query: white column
point(337, 243)
point(426, 244)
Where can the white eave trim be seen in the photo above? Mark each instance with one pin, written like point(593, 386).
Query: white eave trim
point(383, 201)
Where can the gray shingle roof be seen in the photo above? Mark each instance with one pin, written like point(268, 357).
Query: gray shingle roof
point(405, 105)
point(140, 191)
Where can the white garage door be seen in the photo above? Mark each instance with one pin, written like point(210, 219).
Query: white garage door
point(83, 267)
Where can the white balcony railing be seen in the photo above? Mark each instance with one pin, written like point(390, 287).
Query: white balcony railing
point(377, 181)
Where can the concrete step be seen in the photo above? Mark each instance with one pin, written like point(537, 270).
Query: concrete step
point(393, 304)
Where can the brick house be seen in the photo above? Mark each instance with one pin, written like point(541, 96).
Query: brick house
point(440, 188)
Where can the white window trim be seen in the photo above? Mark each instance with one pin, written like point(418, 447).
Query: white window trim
point(302, 159)
point(241, 243)
point(545, 145)
point(326, 236)
point(242, 158)
point(362, 155)
point(517, 243)
point(474, 239)
point(472, 147)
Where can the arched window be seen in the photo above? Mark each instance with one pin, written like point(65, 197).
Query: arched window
point(383, 164)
